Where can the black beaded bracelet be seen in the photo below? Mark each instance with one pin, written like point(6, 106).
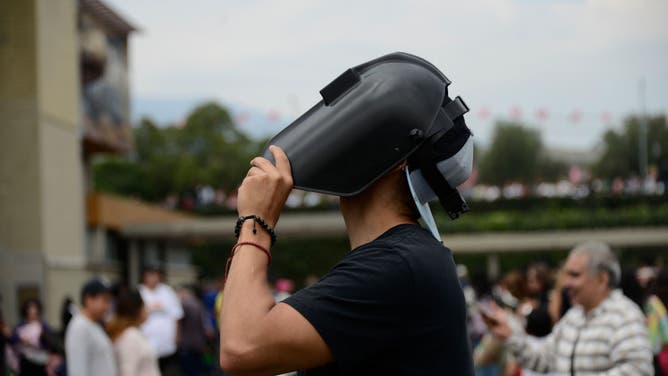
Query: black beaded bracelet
point(259, 221)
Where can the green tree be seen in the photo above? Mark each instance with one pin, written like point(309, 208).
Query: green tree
point(620, 156)
point(220, 150)
point(516, 154)
point(207, 149)
point(149, 140)
point(117, 175)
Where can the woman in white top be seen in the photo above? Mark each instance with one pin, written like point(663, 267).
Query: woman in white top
point(134, 353)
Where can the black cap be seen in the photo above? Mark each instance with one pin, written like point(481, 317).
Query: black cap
point(94, 287)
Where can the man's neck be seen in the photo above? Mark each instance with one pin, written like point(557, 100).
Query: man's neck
point(597, 303)
point(367, 219)
point(88, 315)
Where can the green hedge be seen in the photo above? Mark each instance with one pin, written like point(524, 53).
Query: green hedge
point(594, 202)
point(556, 218)
point(298, 258)
point(591, 202)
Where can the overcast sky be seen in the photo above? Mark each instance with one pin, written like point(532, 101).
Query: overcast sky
point(504, 57)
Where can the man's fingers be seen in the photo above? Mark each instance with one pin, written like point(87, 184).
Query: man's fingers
point(254, 171)
point(282, 161)
point(489, 320)
point(264, 165)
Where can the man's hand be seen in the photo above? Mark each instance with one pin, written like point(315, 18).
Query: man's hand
point(497, 321)
point(266, 187)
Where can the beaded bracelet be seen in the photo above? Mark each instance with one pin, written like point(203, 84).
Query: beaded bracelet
point(259, 221)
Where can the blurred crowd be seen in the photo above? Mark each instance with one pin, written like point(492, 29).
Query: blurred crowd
point(579, 184)
point(150, 329)
point(205, 197)
point(587, 315)
point(565, 320)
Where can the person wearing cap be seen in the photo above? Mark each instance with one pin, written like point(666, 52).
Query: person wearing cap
point(603, 334)
point(393, 305)
point(87, 347)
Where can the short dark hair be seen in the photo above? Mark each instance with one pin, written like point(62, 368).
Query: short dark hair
point(151, 267)
point(26, 306)
point(93, 288)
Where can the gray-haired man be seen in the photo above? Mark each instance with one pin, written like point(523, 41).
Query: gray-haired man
point(603, 334)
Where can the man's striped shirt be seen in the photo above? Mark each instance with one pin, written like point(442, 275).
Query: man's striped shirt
point(611, 340)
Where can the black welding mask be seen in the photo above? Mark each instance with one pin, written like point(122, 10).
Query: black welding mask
point(372, 118)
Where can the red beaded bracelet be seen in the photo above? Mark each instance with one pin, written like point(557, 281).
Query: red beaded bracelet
point(234, 249)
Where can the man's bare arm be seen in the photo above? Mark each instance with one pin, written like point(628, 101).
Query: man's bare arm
point(257, 335)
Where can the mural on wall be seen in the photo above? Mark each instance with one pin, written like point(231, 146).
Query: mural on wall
point(105, 100)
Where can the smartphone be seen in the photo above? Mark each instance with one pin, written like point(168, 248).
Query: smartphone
point(487, 312)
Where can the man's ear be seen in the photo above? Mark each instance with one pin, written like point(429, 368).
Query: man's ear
point(604, 278)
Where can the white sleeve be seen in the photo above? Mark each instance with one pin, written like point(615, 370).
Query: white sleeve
point(533, 355)
point(173, 308)
point(76, 350)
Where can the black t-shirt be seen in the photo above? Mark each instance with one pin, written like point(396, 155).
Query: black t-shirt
point(393, 306)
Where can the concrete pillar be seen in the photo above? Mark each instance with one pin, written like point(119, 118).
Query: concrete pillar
point(134, 263)
point(493, 267)
point(98, 245)
point(41, 196)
